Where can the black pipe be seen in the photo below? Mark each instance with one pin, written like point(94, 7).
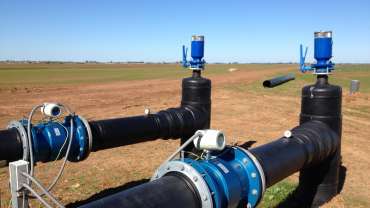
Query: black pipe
point(170, 123)
point(310, 144)
point(182, 122)
point(10, 145)
point(322, 102)
point(173, 190)
point(278, 80)
point(196, 92)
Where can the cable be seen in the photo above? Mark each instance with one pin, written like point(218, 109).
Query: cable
point(36, 195)
point(43, 189)
point(53, 183)
point(29, 137)
point(65, 158)
point(65, 141)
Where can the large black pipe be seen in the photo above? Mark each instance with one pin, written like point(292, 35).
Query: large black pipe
point(310, 144)
point(170, 123)
point(278, 80)
point(196, 93)
point(321, 102)
point(182, 122)
point(10, 145)
point(170, 191)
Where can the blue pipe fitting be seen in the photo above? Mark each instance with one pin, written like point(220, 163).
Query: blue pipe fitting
point(197, 54)
point(233, 176)
point(323, 45)
point(48, 139)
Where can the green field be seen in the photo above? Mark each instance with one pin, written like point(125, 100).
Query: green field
point(341, 76)
point(19, 75)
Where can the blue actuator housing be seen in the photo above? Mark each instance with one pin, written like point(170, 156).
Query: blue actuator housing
point(323, 44)
point(197, 53)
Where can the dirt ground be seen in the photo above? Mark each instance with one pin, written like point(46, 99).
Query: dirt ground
point(243, 115)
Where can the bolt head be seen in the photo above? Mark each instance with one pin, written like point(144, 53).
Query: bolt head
point(254, 192)
point(245, 161)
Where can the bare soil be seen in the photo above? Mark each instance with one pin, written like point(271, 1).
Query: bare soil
point(242, 115)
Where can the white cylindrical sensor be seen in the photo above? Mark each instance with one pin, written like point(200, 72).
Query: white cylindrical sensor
point(51, 109)
point(210, 140)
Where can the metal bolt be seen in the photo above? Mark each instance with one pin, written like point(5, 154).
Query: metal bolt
point(245, 161)
point(195, 178)
point(147, 111)
point(168, 168)
point(253, 175)
point(205, 198)
point(287, 134)
point(254, 192)
point(182, 168)
point(249, 205)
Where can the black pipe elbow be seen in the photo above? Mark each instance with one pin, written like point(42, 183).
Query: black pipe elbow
point(310, 144)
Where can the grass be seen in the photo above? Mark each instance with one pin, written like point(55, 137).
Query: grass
point(277, 194)
point(32, 75)
point(341, 76)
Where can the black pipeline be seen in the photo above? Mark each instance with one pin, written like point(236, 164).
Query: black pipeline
point(278, 80)
point(182, 122)
point(310, 144)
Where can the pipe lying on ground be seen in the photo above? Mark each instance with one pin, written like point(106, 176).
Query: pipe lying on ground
point(232, 176)
point(278, 80)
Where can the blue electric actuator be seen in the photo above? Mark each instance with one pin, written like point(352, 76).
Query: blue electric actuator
point(323, 44)
point(197, 53)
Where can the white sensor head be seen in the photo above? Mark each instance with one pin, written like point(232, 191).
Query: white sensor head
point(51, 109)
point(210, 140)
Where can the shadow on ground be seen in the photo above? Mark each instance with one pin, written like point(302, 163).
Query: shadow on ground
point(107, 192)
point(303, 198)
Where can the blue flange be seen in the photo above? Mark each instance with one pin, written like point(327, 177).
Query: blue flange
point(233, 176)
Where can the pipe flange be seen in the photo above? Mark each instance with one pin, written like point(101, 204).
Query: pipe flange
point(22, 132)
point(259, 168)
point(89, 134)
point(190, 172)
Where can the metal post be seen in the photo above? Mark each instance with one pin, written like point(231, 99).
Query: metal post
point(17, 179)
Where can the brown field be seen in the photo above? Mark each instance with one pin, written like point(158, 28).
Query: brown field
point(240, 107)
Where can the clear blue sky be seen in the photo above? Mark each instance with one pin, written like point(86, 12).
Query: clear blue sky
point(154, 30)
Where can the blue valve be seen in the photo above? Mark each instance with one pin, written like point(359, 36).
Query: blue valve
point(323, 53)
point(197, 54)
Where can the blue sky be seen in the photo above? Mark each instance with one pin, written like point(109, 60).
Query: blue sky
point(243, 31)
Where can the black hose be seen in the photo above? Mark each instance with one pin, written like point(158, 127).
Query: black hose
point(278, 80)
point(310, 144)
point(167, 192)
